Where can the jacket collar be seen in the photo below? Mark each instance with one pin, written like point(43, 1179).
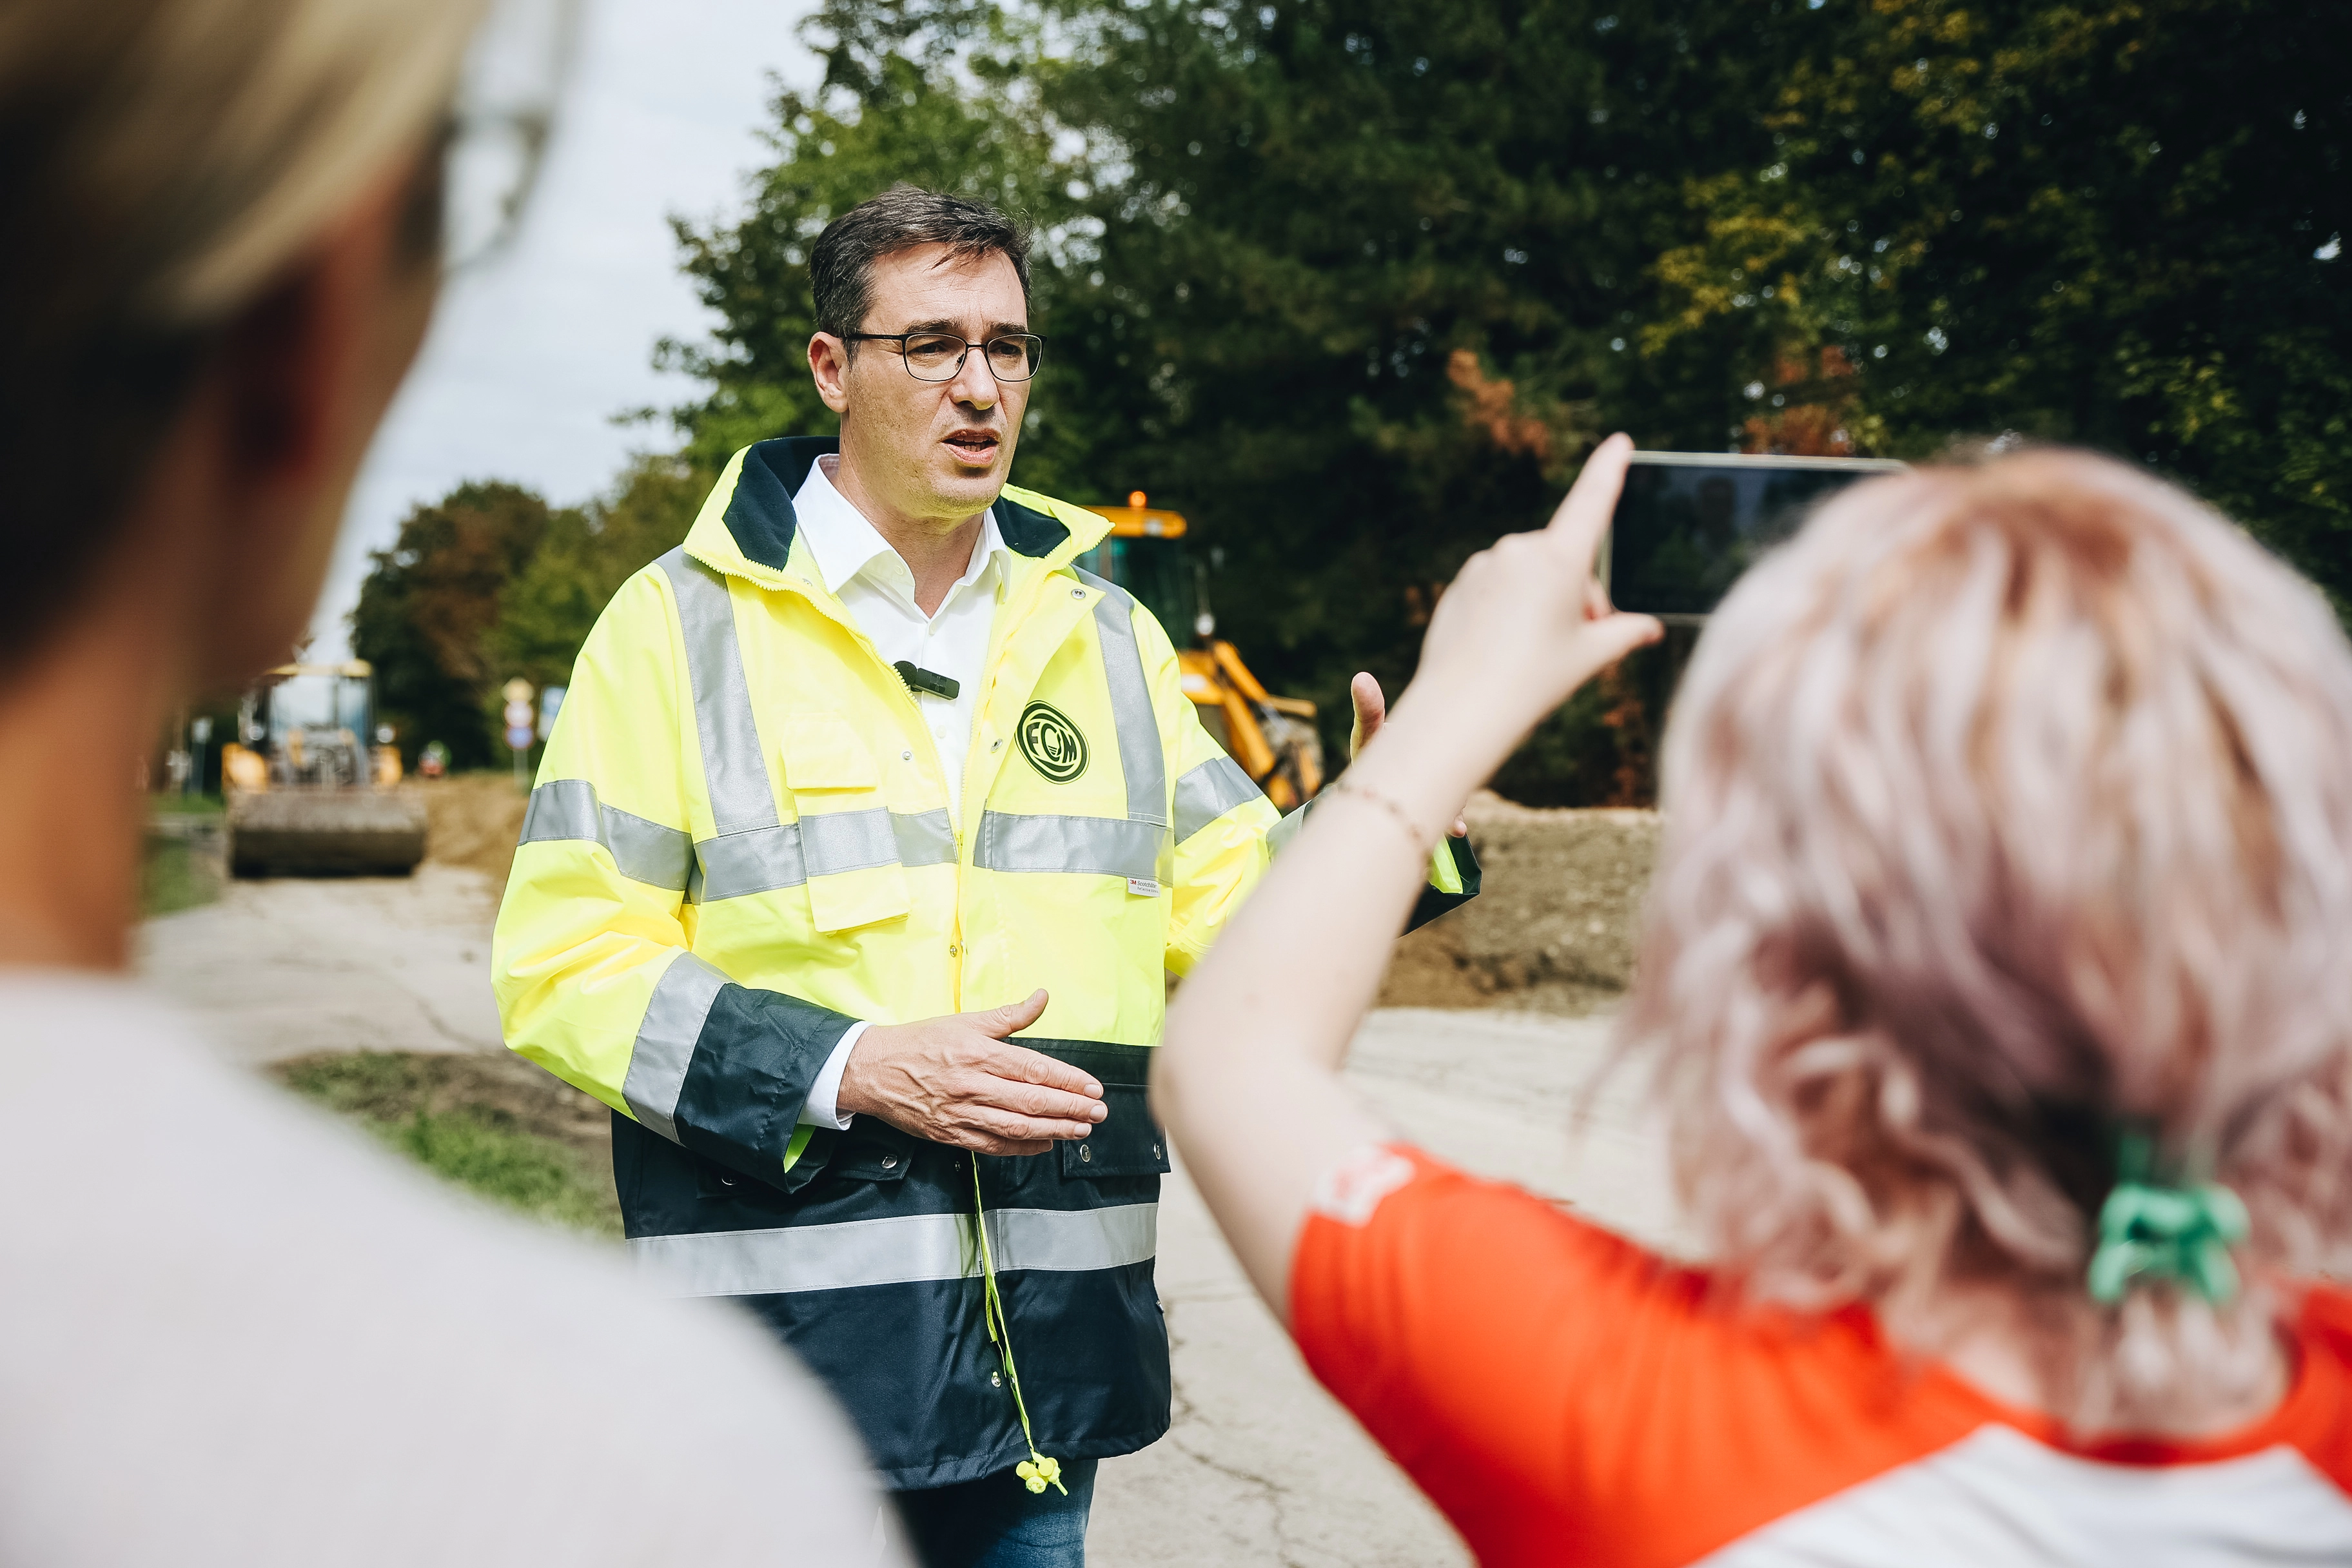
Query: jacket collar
point(747, 528)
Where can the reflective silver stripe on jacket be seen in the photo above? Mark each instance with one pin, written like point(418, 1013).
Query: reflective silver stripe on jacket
point(1139, 755)
point(754, 851)
point(1278, 837)
point(1098, 846)
point(791, 853)
point(674, 1018)
point(1210, 791)
point(734, 768)
point(643, 851)
point(1087, 845)
point(897, 1251)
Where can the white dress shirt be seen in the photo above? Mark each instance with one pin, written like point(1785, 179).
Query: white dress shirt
point(875, 585)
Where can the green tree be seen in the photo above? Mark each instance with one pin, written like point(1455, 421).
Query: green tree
point(1345, 280)
point(1355, 283)
point(2115, 224)
point(1366, 267)
point(490, 582)
point(427, 604)
point(546, 610)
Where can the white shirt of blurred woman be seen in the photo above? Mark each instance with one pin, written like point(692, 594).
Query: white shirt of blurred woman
point(239, 1333)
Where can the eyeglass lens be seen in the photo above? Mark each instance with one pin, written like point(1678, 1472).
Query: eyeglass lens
point(937, 356)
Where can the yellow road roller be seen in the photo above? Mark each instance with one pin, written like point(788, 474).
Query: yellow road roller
point(313, 787)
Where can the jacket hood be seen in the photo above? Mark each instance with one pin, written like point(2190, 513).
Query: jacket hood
point(747, 528)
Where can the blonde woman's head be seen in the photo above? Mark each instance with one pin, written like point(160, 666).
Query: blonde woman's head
point(164, 164)
point(2009, 806)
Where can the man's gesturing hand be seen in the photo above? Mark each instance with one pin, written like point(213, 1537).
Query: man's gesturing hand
point(958, 1080)
point(1372, 713)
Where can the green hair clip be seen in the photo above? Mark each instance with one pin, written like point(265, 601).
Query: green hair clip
point(2151, 1231)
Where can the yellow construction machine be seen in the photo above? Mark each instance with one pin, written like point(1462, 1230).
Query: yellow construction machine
point(1273, 738)
point(313, 785)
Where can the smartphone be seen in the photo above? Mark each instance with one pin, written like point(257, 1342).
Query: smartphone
point(1688, 524)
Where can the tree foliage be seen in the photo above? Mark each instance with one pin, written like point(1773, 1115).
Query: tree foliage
point(2109, 223)
point(490, 582)
point(1356, 283)
point(428, 604)
point(583, 560)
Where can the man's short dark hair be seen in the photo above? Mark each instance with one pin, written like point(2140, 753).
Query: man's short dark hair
point(841, 263)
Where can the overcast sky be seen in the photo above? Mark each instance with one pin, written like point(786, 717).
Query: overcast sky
point(532, 354)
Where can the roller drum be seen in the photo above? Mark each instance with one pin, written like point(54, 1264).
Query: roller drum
point(325, 832)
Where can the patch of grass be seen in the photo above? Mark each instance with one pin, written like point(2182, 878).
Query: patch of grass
point(371, 1085)
point(497, 1127)
point(171, 805)
point(175, 875)
point(483, 1153)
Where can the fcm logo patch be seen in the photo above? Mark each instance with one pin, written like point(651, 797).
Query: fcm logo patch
point(1052, 743)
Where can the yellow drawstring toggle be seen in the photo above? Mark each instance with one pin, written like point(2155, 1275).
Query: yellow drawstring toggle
point(1036, 1472)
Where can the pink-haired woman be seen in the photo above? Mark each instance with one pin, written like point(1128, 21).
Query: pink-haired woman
point(1998, 985)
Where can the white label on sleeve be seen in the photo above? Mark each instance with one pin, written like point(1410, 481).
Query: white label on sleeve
point(1143, 887)
point(1349, 1191)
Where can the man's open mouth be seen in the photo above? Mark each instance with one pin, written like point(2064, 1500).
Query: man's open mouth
point(974, 447)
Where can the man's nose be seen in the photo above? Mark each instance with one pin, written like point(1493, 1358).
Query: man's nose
point(975, 385)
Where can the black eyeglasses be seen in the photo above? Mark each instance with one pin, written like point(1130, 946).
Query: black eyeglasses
point(940, 356)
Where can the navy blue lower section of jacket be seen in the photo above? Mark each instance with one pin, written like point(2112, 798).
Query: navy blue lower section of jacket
point(912, 1362)
point(750, 1075)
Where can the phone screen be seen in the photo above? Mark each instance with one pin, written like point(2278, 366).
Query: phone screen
point(1689, 523)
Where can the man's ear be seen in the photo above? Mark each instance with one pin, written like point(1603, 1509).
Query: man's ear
point(829, 368)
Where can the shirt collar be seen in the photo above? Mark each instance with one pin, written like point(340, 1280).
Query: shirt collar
point(844, 545)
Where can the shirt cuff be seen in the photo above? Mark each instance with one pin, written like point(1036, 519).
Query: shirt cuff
point(820, 1110)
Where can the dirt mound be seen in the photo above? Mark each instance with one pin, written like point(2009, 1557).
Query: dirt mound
point(474, 820)
point(1555, 925)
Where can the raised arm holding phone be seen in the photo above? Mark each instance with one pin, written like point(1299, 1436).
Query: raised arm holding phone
point(1521, 628)
point(1997, 991)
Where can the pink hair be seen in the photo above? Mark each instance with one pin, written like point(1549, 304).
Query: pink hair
point(2007, 804)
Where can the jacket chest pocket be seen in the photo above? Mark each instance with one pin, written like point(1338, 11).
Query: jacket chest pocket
point(848, 841)
point(1126, 1142)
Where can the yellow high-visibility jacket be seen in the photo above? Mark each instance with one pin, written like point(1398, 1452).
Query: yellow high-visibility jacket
point(740, 843)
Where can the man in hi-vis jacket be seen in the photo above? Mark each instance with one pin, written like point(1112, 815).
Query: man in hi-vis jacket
point(861, 780)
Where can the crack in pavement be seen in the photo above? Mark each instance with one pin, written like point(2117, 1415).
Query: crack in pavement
point(1189, 1418)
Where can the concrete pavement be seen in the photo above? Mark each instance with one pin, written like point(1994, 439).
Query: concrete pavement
point(282, 968)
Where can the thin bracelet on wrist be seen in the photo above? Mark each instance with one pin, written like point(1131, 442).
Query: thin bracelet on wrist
point(1421, 841)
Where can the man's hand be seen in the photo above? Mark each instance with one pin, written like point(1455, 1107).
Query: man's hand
point(1371, 711)
point(958, 1080)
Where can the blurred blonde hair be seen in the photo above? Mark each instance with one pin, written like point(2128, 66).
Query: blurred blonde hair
point(188, 149)
point(2008, 802)
point(163, 164)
